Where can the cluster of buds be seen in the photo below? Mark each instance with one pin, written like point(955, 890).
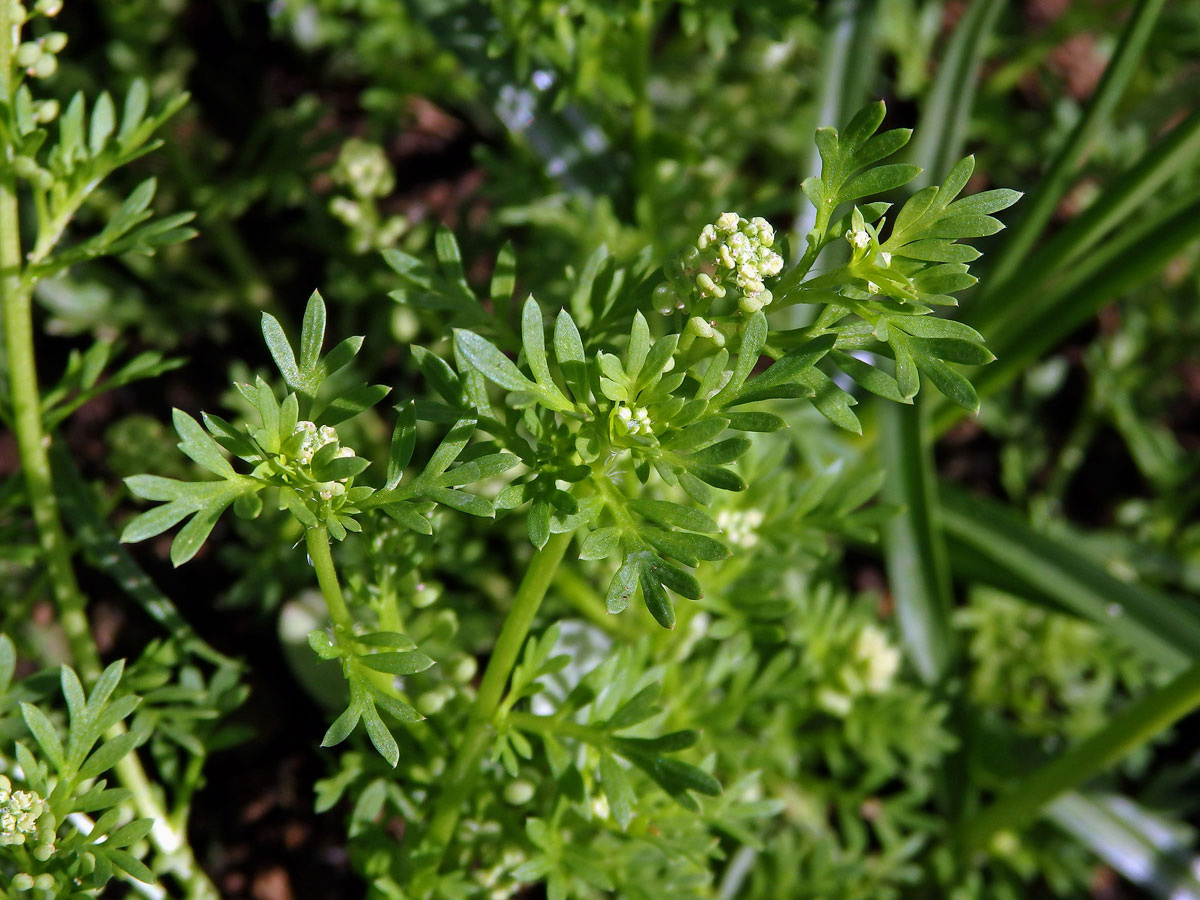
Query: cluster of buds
point(740, 526)
point(314, 439)
point(633, 420)
point(39, 57)
point(19, 14)
point(870, 669)
point(741, 254)
point(863, 245)
point(363, 168)
point(20, 812)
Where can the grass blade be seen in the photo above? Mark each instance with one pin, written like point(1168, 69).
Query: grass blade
point(993, 544)
point(913, 545)
point(1043, 201)
point(1139, 722)
point(918, 575)
point(941, 131)
point(1178, 152)
point(1150, 850)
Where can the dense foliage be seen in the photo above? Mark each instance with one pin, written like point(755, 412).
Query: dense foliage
point(604, 541)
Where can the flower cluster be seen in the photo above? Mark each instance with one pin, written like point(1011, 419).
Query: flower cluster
point(39, 57)
point(740, 526)
point(741, 253)
point(314, 439)
point(872, 664)
point(634, 420)
point(363, 168)
point(19, 815)
point(862, 242)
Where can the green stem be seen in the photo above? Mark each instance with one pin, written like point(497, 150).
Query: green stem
point(1138, 723)
point(32, 441)
point(33, 445)
point(479, 732)
point(317, 540)
point(553, 725)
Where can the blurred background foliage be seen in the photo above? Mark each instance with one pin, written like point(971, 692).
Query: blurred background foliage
point(320, 132)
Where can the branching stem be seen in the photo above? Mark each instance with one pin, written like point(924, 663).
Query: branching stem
point(479, 732)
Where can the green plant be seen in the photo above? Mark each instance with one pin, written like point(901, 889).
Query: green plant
point(619, 437)
point(599, 604)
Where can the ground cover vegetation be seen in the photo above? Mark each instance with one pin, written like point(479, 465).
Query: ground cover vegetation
point(474, 449)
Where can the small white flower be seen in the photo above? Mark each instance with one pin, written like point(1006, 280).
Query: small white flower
point(728, 222)
point(878, 657)
point(859, 239)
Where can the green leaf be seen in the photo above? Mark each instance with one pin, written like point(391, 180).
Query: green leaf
point(656, 599)
point(620, 794)
point(103, 122)
point(351, 403)
point(490, 362)
point(196, 443)
point(45, 733)
point(191, 537)
point(718, 477)
point(538, 523)
point(639, 346)
point(155, 521)
point(380, 737)
point(109, 754)
point(504, 280)
point(568, 350)
point(674, 515)
point(392, 640)
point(600, 544)
point(869, 377)
point(955, 386)
point(404, 439)
point(623, 584)
point(281, 350)
point(725, 451)
point(136, 101)
point(877, 181)
point(686, 547)
point(127, 862)
point(401, 662)
point(312, 336)
point(756, 421)
point(342, 726)
point(636, 709)
point(8, 662)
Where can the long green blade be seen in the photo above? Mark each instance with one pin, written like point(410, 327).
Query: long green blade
point(993, 544)
point(915, 553)
point(1042, 203)
point(1138, 723)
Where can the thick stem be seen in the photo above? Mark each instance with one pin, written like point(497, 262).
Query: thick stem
point(33, 445)
point(317, 540)
point(479, 732)
point(32, 441)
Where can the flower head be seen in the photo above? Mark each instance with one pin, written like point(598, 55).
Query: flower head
point(740, 252)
